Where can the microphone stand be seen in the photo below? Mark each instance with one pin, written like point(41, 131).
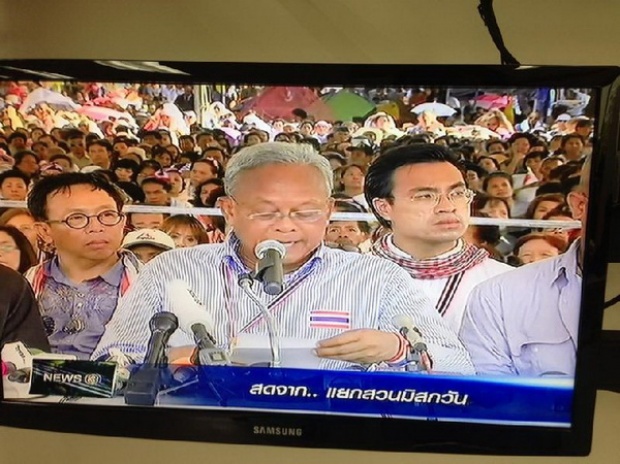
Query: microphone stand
point(245, 282)
point(413, 357)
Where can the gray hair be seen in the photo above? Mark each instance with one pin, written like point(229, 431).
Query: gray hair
point(276, 153)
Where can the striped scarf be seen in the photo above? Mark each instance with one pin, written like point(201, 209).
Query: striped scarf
point(433, 268)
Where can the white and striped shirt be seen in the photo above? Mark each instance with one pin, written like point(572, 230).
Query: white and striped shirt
point(367, 291)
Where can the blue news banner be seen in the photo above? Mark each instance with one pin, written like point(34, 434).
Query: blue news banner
point(514, 400)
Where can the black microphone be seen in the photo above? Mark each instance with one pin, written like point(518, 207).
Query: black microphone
point(162, 325)
point(144, 384)
point(269, 269)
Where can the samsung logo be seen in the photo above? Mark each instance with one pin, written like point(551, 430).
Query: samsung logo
point(280, 431)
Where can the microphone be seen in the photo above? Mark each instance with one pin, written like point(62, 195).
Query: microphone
point(269, 267)
point(144, 384)
point(195, 319)
point(417, 356)
point(162, 325)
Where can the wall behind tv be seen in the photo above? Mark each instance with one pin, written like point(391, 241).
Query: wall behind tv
point(568, 32)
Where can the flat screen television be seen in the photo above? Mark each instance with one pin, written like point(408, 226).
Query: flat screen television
point(264, 379)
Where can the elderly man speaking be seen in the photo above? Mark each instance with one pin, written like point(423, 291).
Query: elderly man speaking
point(281, 191)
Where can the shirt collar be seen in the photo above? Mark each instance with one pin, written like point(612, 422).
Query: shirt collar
point(113, 277)
point(231, 254)
point(390, 241)
point(566, 264)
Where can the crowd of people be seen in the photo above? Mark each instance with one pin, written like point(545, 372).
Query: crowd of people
point(85, 246)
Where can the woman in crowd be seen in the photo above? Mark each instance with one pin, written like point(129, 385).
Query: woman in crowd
point(536, 247)
point(16, 252)
point(208, 192)
point(186, 231)
point(352, 180)
point(22, 220)
point(542, 204)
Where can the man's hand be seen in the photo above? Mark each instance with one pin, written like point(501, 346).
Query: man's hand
point(364, 346)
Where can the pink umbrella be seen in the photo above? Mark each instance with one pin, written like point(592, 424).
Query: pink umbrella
point(101, 113)
point(490, 101)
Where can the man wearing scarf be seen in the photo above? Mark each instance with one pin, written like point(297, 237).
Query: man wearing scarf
point(419, 193)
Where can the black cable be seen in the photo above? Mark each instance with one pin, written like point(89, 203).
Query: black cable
point(613, 301)
point(488, 16)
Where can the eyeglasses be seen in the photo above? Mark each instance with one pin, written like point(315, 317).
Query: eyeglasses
point(7, 248)
point(80, 221)
point(459, 197)
point(305, 216)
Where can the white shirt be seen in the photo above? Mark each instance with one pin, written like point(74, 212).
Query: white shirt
point(359, 291)
point(435, 288)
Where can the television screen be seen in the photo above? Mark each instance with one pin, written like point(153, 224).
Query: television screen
point(368, 257)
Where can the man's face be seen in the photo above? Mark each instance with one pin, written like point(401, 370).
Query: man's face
point(186, 144)
point(499, 187)
point(77, 146)
point(92, 244)
point(417, 220)
point(280, 189)
point(573, 148)
point(201, 172)
point(155, 194)
point(14, 188)
point(147, 220)
point(321, 129)
point(145, 253)
point(41, 150)
point(345, 233)
point(18, 143)
point(99, 155)
point(28, 165)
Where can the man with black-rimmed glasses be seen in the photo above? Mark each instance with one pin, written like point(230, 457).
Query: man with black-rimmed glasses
point(78, 288)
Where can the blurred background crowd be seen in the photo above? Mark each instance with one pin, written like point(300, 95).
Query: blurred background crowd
point(166, 147)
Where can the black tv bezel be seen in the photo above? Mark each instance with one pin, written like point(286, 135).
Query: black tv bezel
point(348, 432)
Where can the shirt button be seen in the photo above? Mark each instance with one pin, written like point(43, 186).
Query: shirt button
point(81, 295)
point(535, 350)
point(79, 305)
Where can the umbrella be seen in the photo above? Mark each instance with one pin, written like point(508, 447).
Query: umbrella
point(102, 113)
point(439, 109)
point(489, 101)
point(341, 106)
point(389, 107)
point(53, 99)
point(279, 102)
